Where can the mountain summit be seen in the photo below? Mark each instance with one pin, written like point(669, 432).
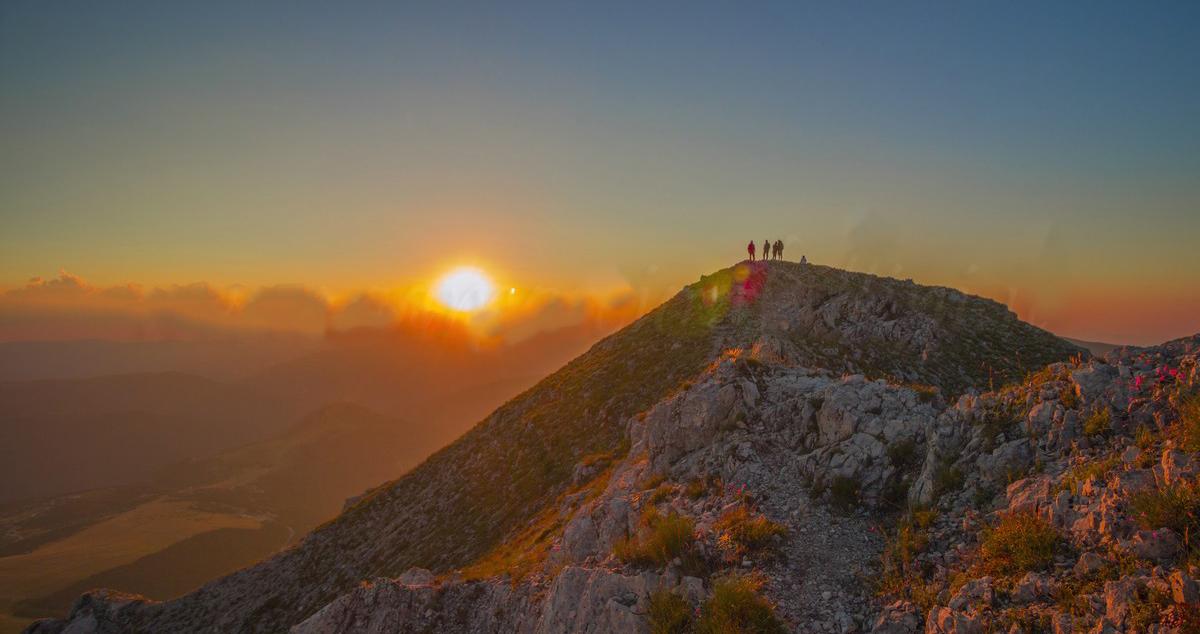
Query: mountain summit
point(745, 405)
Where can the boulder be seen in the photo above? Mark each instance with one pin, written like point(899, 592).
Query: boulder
point(416, 577)
point(947, 621)
point(1183, 588)
point(900, 617)
point(1159, 546)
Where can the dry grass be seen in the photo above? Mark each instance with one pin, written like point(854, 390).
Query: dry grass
point(669, 613)
point(744, 531)
point(1074, 479)
point(1099, 422)
point(736, 607)
point(900, 575)
point(660, 539)
point(1018, 543)
point(1176, 507)
point(1188, 428)
point(526, 552)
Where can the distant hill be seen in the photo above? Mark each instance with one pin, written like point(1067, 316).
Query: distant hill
point(509, 470)
point(69, 435)
point(1095, 347)
point(221, 358)
point(442, 381)
point(289, 483)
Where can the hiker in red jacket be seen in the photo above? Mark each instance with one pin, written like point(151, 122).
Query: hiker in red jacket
point(750, 250)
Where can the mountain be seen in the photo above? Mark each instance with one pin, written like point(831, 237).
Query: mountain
point(247, 503)
point(75, 434)
point(1095, 347)
point(430, 372)
point(759, 382)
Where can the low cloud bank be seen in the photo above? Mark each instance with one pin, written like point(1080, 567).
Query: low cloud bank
point(68, 307)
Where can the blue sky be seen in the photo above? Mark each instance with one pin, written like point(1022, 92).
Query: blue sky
point(1046, 155)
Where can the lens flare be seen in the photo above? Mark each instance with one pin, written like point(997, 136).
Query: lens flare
point(465, 289)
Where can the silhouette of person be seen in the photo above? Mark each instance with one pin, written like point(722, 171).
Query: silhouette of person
point(803, 260)
point(766, 249)
point(779, 249)
point(750, 250)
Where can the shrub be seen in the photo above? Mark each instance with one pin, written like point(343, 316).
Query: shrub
point(1099, 422)
point(699, 486)
point(1144, 438)
point(1176, 507)
point(946, 478)
point(996, 419)
point(747, 531)
point(925, 393)
point(652, 481)
point(736, 607)
point(843, 492)
point(899, 573)
point(1068, 397)
point(1079, 474)
point(1019, 543)
point(661, 539)
point(1148, 608)
point(661, 493)
point(669, 613)
point(901, 453)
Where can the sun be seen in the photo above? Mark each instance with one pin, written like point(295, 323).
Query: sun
point(465, 288)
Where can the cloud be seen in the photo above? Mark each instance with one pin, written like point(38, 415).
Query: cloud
point(64, 287)
point(69, 307)
point(364, 311)
point(287, 308)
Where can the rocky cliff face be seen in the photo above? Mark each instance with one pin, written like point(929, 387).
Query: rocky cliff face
point(745, 444)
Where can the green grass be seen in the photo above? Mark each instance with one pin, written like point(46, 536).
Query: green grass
point(1017, 544)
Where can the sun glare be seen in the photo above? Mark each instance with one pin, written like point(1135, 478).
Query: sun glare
point(465, 289)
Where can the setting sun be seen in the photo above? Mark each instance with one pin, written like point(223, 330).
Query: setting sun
point(465, 289)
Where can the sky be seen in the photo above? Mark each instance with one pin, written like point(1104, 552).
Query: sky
point(603, 155)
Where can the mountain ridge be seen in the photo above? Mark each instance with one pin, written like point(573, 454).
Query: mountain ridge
point(468, 498)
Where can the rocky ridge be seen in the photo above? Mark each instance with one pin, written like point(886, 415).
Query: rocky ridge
point(1037, 508)
point(741, 410)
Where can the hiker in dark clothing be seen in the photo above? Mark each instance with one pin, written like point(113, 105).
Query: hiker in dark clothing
point(778, 252)
point(750, 250)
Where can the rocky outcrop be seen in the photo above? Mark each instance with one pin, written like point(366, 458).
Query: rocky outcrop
point(1093, 452)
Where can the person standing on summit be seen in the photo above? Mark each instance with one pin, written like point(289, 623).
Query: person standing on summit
point(750, 250)
point(777, 254)
point(766, 250)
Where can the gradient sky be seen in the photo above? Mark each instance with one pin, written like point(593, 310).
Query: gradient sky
point(1048, 157)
